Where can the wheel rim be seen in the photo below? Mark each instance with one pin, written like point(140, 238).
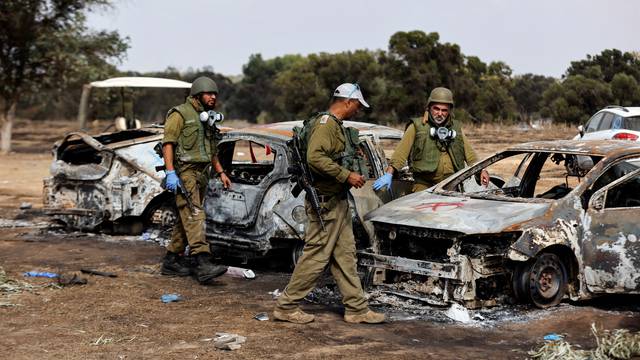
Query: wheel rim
point(547, 280)
point(165, 216)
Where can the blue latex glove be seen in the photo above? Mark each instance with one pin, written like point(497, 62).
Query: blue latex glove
point(167, 298)
point(383, 181)
point(172, 180)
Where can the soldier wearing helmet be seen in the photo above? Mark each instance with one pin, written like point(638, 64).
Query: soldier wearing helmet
point(434, 145)
point(189, 146)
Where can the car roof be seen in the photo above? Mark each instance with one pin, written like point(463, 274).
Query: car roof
point(285, 129)
point(622, 111)
point(591, 147)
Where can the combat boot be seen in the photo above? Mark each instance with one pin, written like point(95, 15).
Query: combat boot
point(370, 317)
point(205, 269)
point(173, 265)
point(297, 316)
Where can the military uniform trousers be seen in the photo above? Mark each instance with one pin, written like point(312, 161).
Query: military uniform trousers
point(190, 227)
point(335, 247)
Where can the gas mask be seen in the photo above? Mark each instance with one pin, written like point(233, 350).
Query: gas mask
point(211, 118)
point(442, 133)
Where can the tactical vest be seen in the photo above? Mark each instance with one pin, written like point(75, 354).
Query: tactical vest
point(195, 143)
point(349, 158)
point(425, 154)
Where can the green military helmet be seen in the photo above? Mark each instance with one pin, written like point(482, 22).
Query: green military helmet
point(203, 84)
point(440, 95)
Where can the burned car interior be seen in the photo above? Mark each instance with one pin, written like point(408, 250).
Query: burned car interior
point(527, 175)
point(246, 161)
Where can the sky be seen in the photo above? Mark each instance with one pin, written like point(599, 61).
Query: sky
point(540, 37)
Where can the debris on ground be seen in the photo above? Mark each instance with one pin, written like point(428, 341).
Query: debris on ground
point(275, 293)
point(7, 223)
point(167, 298)
point(459, 313)
point(66, 280)
point(44, 274)
point(156, 235)
point(9, 287)
point(324, 295)
point(619, 344)
point(227, 341)
point(98, 273)
point(26, 206)
point(263, 316)
point(240, 272)
point(553, 337)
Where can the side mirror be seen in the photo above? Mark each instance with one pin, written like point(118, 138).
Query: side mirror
point(581, 130)
point(597, 201)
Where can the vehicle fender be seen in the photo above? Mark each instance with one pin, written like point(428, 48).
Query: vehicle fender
point(534, 239)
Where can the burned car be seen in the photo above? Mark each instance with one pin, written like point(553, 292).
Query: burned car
point(108, 182)
point(259, 214)
point(559, 219)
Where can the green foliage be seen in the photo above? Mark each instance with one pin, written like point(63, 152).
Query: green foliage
point(256, 92)
point(625, 90)
point(46, 49)
point(527, 91)
point(47, 53)
point(610, 77)
point(606, 65)
point(576, 98)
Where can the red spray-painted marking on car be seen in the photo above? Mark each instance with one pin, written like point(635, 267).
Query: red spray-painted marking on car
point(434, 206)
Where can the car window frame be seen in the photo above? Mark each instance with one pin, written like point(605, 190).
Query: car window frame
point(599, 198)
point(603, 125)
point(597, 117)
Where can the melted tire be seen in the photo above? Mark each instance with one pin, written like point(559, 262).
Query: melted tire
point(296, 253)
point(520, 282)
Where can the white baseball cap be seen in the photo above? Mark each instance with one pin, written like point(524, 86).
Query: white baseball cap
point(350, 91)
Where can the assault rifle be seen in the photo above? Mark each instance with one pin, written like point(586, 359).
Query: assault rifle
point(303, 178)
point(181, 188)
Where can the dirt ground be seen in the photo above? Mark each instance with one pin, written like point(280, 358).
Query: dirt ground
point(123, 317)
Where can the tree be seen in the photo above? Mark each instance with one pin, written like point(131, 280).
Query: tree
point(576, 98)
point(44, 45)
point(307, 87)
point(527, 91)
point(625, 90)
point(609, 63)
point(255, 93)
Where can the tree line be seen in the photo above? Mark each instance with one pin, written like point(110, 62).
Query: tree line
point(47, 53)
point(396, 82)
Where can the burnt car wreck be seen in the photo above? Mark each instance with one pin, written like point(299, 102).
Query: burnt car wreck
point(259, 214)
point(559, 219)
point(108, 182)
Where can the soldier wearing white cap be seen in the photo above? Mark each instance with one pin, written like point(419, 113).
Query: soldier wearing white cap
point(333, 159)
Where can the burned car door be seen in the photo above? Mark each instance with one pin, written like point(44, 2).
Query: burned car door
point(611, 249)
point(249, 165)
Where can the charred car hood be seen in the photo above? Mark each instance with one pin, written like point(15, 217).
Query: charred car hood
point(460, 214)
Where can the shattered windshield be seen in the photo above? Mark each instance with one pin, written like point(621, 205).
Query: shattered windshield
point(518, 175)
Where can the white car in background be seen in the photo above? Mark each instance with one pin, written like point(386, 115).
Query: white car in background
point(612, 122)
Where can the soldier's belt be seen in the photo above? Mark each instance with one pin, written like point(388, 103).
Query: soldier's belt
point(327, 198)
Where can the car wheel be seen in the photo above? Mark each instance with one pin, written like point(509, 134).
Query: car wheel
point(162, 217)
point(296, 252)
point(520, 282)
point(547, 280)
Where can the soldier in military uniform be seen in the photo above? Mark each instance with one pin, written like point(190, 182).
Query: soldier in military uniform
point(188, 147)
point(436, 145)
point(331, 151)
